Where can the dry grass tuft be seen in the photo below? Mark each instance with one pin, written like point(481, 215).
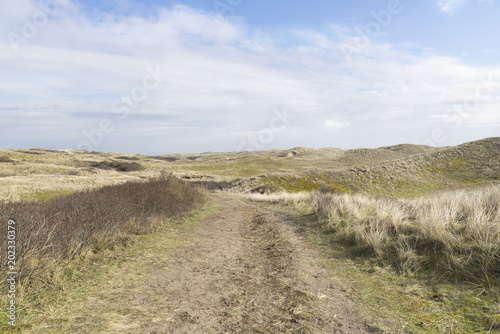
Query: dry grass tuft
point(300, 198)
point(454, 234)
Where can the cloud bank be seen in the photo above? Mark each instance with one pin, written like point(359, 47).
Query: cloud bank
point(65, 72)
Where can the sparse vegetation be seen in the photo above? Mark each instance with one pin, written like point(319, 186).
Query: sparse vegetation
point(128, 158)
point(45, 196)
point(397, 171)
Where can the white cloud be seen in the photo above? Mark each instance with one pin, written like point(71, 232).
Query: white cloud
point(218, 74)
point(332, 124)
point(450, 6)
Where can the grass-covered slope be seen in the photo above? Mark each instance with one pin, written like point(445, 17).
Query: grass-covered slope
point(421, 170)
point(400, 170)
point(453, 167)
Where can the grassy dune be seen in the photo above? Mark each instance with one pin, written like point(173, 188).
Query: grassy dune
point(394, 171)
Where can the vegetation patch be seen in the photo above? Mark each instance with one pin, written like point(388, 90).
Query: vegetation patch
point(454, 236)
point(308, 182)
point(264, 189)
point(127, 158)
point(242, 167)
point(119, 166)
point(215, 185)
point(53, 234)
point(423, 294)
point(448, 165)
point(168, 159)
point(30, 152)
point(5, 158)
point(415, 304)
point(45, 196)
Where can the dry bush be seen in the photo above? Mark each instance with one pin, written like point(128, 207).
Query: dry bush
point(119, 166)
point(53, 233)
point(124, 157)
point(168, 159)
point(219, 185)
point(213, 185)
point(264, 189)
point(19, 187)
point(456, 234)
point(5, 158)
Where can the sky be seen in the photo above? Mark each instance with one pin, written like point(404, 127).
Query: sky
point(172, 76)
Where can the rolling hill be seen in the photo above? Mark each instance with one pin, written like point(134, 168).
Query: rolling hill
point(400, 170)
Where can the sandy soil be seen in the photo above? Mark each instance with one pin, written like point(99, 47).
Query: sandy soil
point(244, 271)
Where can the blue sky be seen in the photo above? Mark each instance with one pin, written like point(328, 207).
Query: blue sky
point(172, 76)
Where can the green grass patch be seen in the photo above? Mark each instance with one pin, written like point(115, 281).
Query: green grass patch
point(409, 189)
point(448, 165)
point(45, 196)
point(309, 182)
point(244, 167)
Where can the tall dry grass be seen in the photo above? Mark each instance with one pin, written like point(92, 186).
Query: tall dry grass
point(17, 188)
point(454, 234)
point(300, 198)
point(51, 234)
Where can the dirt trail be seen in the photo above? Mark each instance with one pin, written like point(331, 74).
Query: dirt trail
point(243, 271)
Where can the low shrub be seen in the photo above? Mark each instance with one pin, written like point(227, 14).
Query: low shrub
point(264, 189)
point(119, 166)
point(214, 185)
point(169, 159)
point(127, 158)
point(60, 229)
point(5, 158)
point(291, 199)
